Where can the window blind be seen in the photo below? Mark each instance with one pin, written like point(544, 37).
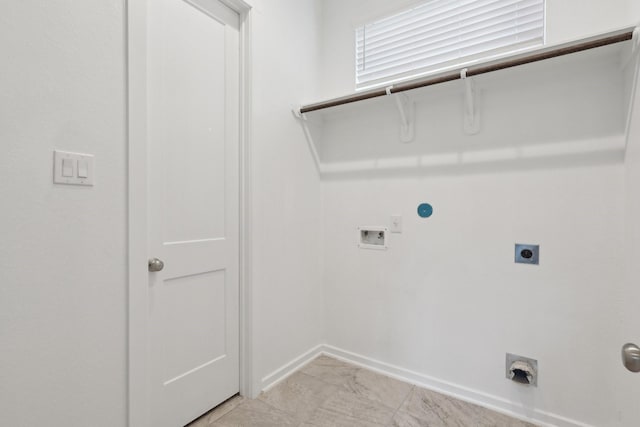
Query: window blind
point(442, 33)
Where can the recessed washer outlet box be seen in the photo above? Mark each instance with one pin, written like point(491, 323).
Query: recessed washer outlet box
point(527, 254)
point(522, 370)
point(372, 237)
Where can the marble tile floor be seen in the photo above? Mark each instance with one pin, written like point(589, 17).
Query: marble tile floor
point(330, 393)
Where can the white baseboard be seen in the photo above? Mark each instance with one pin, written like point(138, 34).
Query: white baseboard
point(457, 391)
point(495, 403)
point(289, 368)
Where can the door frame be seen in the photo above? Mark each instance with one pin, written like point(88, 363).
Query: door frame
point(138, 396)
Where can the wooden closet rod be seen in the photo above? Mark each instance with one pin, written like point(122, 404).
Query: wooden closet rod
point(487, 67)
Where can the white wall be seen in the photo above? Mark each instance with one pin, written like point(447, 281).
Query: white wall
point(572, 19)
point(635, 11)
point(628, 328)
point(446, 300)
point(63, 250)
point(287, 214)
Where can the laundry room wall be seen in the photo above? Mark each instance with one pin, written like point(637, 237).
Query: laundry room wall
point(287, 205)
point(445, 302)
point(63, 256)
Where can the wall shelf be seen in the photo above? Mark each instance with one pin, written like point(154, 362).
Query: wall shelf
point(569, 100)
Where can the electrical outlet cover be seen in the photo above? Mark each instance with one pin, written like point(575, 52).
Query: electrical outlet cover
point(527, 254)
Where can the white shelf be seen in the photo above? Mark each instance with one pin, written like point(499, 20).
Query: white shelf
point(567, 109)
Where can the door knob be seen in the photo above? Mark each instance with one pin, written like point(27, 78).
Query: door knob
point(631, 357)
point(155, 265)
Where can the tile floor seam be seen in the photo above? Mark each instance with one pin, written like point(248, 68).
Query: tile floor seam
point(225, 415)
point(325, 400)
point(370, 401)
point(270, 405)
point(293, 414)
point(393, 417)
point(346, 391)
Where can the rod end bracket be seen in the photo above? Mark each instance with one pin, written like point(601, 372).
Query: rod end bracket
point(298, 114)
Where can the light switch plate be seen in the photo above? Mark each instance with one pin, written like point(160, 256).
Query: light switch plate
point(396, 224)
point(76, 160)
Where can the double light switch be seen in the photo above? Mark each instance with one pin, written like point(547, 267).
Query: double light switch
point(72, 168)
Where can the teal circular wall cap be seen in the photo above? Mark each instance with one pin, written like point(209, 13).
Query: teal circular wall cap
point(425, 210)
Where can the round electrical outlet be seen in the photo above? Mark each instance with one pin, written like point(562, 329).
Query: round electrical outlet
point(526, 253)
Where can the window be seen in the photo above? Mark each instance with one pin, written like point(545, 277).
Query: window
point(438, 34)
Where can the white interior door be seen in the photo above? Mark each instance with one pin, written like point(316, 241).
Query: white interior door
point(193, 207)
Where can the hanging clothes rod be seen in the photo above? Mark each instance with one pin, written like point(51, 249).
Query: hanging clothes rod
point(482, 68)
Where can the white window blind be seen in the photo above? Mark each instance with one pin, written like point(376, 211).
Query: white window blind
point(442, 33)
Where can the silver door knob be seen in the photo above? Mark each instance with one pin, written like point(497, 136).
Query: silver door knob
point(631, 357)
point(155, 265)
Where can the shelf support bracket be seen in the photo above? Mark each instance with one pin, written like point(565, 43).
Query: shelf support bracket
point(471, 120)
point(302, 119)
point(407, 109)
point(632, 56)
